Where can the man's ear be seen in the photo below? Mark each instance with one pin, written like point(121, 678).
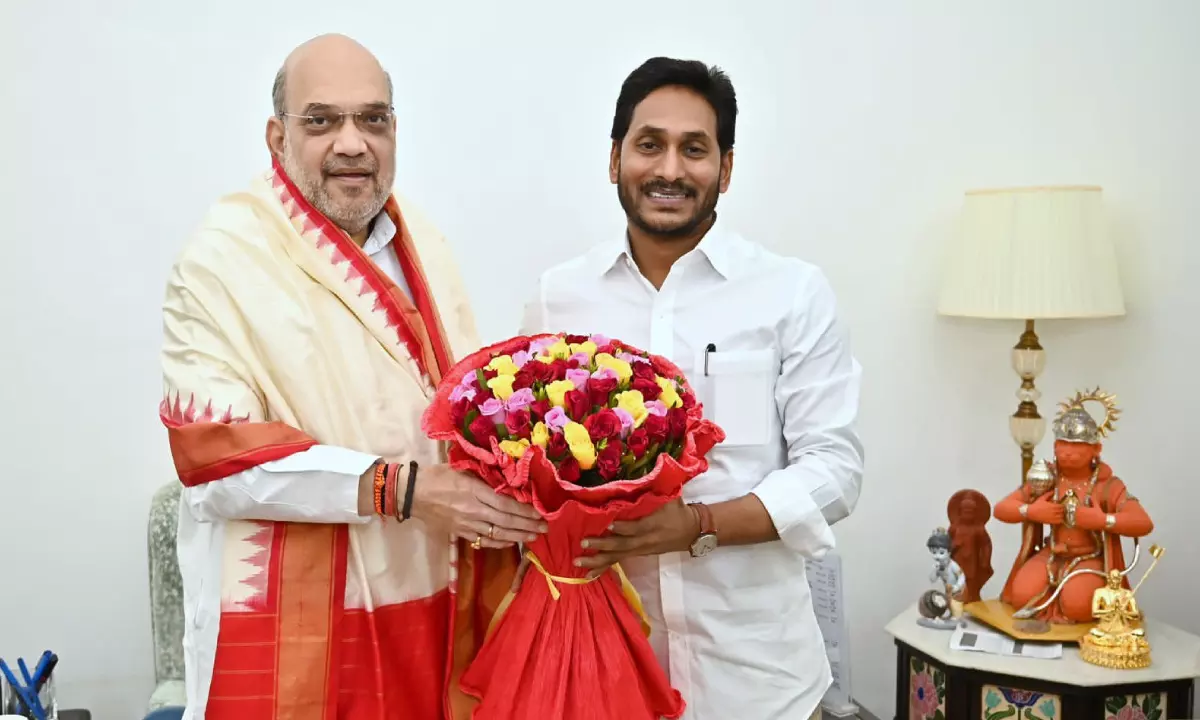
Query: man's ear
point(614, 163)
point(274, 137)
point(726, 170)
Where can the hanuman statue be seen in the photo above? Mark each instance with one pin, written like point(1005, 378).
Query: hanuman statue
point(1087, 509)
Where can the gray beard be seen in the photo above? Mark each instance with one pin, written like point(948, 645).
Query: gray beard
point(353, 218)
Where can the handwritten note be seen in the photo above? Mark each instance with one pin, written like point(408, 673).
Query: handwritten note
point(825, 583)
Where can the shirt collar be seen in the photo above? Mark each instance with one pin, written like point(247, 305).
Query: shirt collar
point(715, 246)
point(382, 232)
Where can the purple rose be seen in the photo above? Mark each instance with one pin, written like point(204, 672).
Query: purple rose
point(581, 358)
point(519, 400)
point(521, 357)
point(600, 340)
point(557, 418)
point(493, 410)
point(579, 377)
point(462, 391)
point(626, 420)
point(656, 407)
point(605, 373)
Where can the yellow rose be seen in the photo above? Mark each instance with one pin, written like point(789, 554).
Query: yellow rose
point(559, 350)
point(541, 435)
point(632, 402)
point(504, 365)
point(501, 386)
point(557, 391)
point(587, 348)
point(623, 370)
point(580, 443)
point(515, 448)
point(670, 396)
point(544, 359)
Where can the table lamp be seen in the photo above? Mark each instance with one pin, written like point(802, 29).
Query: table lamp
point(1031, 253)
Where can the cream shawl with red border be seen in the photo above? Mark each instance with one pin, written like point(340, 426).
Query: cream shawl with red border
point(283, 334)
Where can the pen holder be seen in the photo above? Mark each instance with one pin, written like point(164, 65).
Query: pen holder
point(11, 704)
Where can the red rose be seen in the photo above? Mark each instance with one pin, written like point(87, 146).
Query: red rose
point(541, 372)
point(578, 405)
point(689, 400)
point(576, 339)
point(557, 446)
point(558, 369)
point(483, 429)
point(489, 374)
point(655, 427)
point(648, 388)
point(458, 411)
point(523, 379)
point(603, 425)
point(643, 371)
point(608, 462)
point(676, 423)
point(639, 442)
point(482, 395)
point(607, 349)
point(518, 424)
point(569, 470)
point(539, 409)
point(601, 389)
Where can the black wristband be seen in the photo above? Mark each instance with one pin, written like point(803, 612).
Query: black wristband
point(408, 492)
point(383, 495)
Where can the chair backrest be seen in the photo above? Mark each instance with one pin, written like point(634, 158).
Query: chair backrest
point(166, 586)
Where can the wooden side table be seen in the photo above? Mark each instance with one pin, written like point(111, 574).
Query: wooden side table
point(934, 682)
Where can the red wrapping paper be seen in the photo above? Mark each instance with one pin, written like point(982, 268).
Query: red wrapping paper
point(583, 655)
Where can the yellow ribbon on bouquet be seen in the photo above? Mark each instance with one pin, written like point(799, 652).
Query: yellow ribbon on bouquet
point(553, 581)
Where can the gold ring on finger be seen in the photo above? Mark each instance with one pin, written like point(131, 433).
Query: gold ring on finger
point(478, 543)
point(491, 532)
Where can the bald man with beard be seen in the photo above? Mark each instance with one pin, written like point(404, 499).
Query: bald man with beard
point(333, 565)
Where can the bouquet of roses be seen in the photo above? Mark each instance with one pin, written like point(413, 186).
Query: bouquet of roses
point(588, 430)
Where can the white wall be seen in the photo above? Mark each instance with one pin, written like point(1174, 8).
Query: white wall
point(862, 123)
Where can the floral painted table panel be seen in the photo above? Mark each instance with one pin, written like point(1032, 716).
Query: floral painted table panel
point(1001, 702)
point(1148, 706)
point(927, 700)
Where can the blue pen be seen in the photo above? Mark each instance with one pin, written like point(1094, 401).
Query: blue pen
point(35, 703)
point(47, 672)
point(20, 690)
point(41, 668)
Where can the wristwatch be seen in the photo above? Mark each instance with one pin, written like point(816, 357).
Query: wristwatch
point(707, 542)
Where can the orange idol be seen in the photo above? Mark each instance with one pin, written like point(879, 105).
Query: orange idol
point(1086, 510)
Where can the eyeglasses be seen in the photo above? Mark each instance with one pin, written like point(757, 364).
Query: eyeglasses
point(375, 121)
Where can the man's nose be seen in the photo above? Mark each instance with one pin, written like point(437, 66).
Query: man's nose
point(349, 140)
point(671, 167)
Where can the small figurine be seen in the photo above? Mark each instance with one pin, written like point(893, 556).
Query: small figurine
point(942, 609)
point(1088, 511)
point(971, 546)
point(1118, 641)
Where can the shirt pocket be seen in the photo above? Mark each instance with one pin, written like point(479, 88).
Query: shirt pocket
point(738, 393)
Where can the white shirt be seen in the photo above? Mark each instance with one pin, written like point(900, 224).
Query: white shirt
point(736, 629)
point(317, 485)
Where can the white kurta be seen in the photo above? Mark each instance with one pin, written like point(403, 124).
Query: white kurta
point(317, 485)
point(736, 630)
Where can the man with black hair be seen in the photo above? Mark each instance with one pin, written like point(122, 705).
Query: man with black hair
point(721, 573)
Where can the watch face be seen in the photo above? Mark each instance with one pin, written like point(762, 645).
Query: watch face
point(704, 545)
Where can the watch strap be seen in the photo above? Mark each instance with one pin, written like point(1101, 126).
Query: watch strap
point(704, 514)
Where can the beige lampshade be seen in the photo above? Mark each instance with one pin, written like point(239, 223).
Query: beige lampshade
point(1032, 253)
